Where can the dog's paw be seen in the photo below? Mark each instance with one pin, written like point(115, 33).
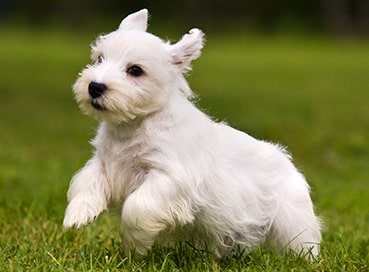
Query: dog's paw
point(136, 242)
point(81, 212)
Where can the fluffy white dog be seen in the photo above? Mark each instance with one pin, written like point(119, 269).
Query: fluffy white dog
point(172, 171)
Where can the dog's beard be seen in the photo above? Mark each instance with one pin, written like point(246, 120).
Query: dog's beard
point(98, 104)
point(103, 109)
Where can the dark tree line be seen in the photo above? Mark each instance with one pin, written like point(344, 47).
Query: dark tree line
point(336, 16)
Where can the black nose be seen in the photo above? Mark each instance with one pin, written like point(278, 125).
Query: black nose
point(96, 89)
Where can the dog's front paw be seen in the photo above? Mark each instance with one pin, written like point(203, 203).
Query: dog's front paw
point(81, 212)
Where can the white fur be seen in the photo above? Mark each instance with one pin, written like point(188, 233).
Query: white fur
point(171, 170)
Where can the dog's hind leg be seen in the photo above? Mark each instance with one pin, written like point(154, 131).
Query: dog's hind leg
point(296, 226)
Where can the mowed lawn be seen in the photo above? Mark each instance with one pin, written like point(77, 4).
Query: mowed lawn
point(308, 93)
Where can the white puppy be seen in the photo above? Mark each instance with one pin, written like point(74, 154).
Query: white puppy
point(171, 170)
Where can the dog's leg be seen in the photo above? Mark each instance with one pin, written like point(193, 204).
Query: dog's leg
point(296, 226)
point(87, 195)
point(155, 206)
point(299, 232)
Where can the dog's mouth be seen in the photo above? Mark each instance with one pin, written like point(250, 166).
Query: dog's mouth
point(96, 104)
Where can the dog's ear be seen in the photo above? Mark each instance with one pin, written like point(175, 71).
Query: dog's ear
point(187, 49)
point(135, 21)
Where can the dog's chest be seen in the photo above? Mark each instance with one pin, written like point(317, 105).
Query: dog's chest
point(126, 163)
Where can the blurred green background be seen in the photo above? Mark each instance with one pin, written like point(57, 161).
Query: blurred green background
point(341, 17)
point(291, 72)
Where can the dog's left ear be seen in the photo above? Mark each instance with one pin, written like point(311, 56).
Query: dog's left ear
point(135, 21)
point(187, 49)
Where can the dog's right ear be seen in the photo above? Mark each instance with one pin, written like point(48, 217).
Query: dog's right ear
point(187, 49)
point(135, 21)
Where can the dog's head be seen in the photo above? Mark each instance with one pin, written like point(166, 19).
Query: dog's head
point(134, 72)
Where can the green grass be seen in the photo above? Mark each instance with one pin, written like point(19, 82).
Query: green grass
point(308, 93)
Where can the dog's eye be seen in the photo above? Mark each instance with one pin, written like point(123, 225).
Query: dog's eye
point(100, 59)
point(135, 71)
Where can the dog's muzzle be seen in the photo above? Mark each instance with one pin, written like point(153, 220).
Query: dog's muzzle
point(96, 90)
